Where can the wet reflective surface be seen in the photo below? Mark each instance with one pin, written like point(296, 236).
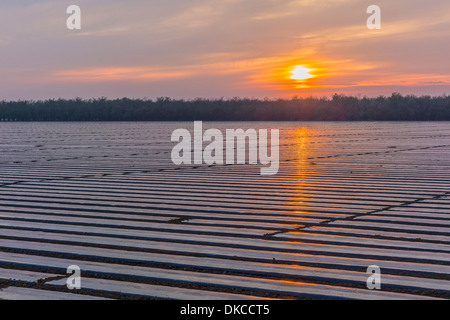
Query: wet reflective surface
point(107, 197)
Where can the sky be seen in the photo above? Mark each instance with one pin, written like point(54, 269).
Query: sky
point(223, 48)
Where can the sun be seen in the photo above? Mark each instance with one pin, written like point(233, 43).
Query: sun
point(301, 73)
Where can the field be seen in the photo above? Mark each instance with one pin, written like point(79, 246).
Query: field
point(107, 198)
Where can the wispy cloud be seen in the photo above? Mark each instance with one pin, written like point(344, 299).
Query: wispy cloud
point(215, 47)
point(113, 74)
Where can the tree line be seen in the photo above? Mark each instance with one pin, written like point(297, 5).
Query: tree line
point(337, 108)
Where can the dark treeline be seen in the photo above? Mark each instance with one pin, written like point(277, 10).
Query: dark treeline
point(338, 108)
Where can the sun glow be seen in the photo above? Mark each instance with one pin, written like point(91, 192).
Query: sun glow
point(301, 73)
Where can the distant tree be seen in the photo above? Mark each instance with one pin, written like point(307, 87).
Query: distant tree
point(338, 108)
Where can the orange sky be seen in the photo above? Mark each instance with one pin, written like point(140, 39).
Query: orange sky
point(227, 48)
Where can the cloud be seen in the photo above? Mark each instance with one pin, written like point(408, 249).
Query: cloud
point(113, 74)
point(214, 47)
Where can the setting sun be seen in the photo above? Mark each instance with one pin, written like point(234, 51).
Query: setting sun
point(301, 73)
